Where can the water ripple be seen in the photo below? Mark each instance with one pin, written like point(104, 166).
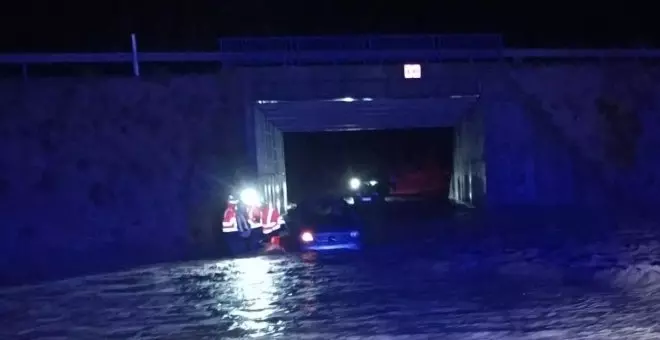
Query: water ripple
point(307, 297)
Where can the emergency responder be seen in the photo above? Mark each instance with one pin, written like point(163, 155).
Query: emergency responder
point(271, 221)
point(239, 225)
point(273, 230)
point(230, 227)
point(229, 217)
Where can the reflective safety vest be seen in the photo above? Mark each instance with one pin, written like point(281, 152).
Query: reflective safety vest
point(229, 219)
point(270, 219)
point(231, 222)
point(254, 220)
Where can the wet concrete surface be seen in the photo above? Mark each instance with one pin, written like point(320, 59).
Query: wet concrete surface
point(386, 293)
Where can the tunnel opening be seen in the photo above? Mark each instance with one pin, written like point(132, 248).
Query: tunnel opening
point(341, 84)
point(420, 147)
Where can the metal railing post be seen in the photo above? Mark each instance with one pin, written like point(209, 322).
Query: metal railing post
point(136, 64)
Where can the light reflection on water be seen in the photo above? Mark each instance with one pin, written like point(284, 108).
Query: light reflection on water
point(256, 285)
point(294, 296)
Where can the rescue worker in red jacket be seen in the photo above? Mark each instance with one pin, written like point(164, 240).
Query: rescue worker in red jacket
point(271, 222)
point(229, 219)
point(239, 224)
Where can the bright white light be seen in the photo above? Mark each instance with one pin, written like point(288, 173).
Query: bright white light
point(349, 200)
point(307, 237)
point(373, 182)
point(349, 99)
point(354, 183)
point(266, 101)
point(250, 197)
point(412, 71)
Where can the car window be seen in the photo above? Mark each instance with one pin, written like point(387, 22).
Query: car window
point(339, 219)
point(322, 212)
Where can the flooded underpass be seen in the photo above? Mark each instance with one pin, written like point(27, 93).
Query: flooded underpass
point(482, 291)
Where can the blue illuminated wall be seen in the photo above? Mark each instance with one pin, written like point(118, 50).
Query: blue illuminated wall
point(525, 167)
point(564, 135)
point(95, 170)
point(605, 118)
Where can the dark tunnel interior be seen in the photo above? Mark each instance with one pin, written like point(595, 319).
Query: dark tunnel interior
point(322, 162)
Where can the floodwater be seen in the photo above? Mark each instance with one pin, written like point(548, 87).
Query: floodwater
point(391, 293)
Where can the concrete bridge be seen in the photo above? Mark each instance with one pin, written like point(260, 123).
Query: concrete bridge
point(104, 166)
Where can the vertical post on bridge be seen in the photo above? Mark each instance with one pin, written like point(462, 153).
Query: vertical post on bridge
point(136, 64)
point(24, 68)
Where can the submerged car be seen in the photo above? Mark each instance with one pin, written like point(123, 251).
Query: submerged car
point(323, 225)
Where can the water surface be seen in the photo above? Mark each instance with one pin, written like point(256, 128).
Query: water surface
point(389, 294)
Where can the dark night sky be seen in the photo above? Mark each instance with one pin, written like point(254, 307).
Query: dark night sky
point(194, 25)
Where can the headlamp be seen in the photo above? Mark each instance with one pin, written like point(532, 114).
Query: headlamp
point(250, 197)
point(354, 183)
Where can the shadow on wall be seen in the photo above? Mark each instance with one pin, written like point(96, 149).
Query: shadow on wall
point(96, 168)
point(608, 114)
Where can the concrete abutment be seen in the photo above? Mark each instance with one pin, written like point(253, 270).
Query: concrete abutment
point(99, 168)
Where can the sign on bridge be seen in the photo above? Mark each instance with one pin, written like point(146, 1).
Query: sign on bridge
point(412, 71)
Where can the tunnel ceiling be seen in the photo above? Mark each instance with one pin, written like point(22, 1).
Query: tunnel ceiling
point(364, 113)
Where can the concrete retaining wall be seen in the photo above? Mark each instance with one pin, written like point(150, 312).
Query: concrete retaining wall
point(609, 114)
point(94, 170)
point(525, 166)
